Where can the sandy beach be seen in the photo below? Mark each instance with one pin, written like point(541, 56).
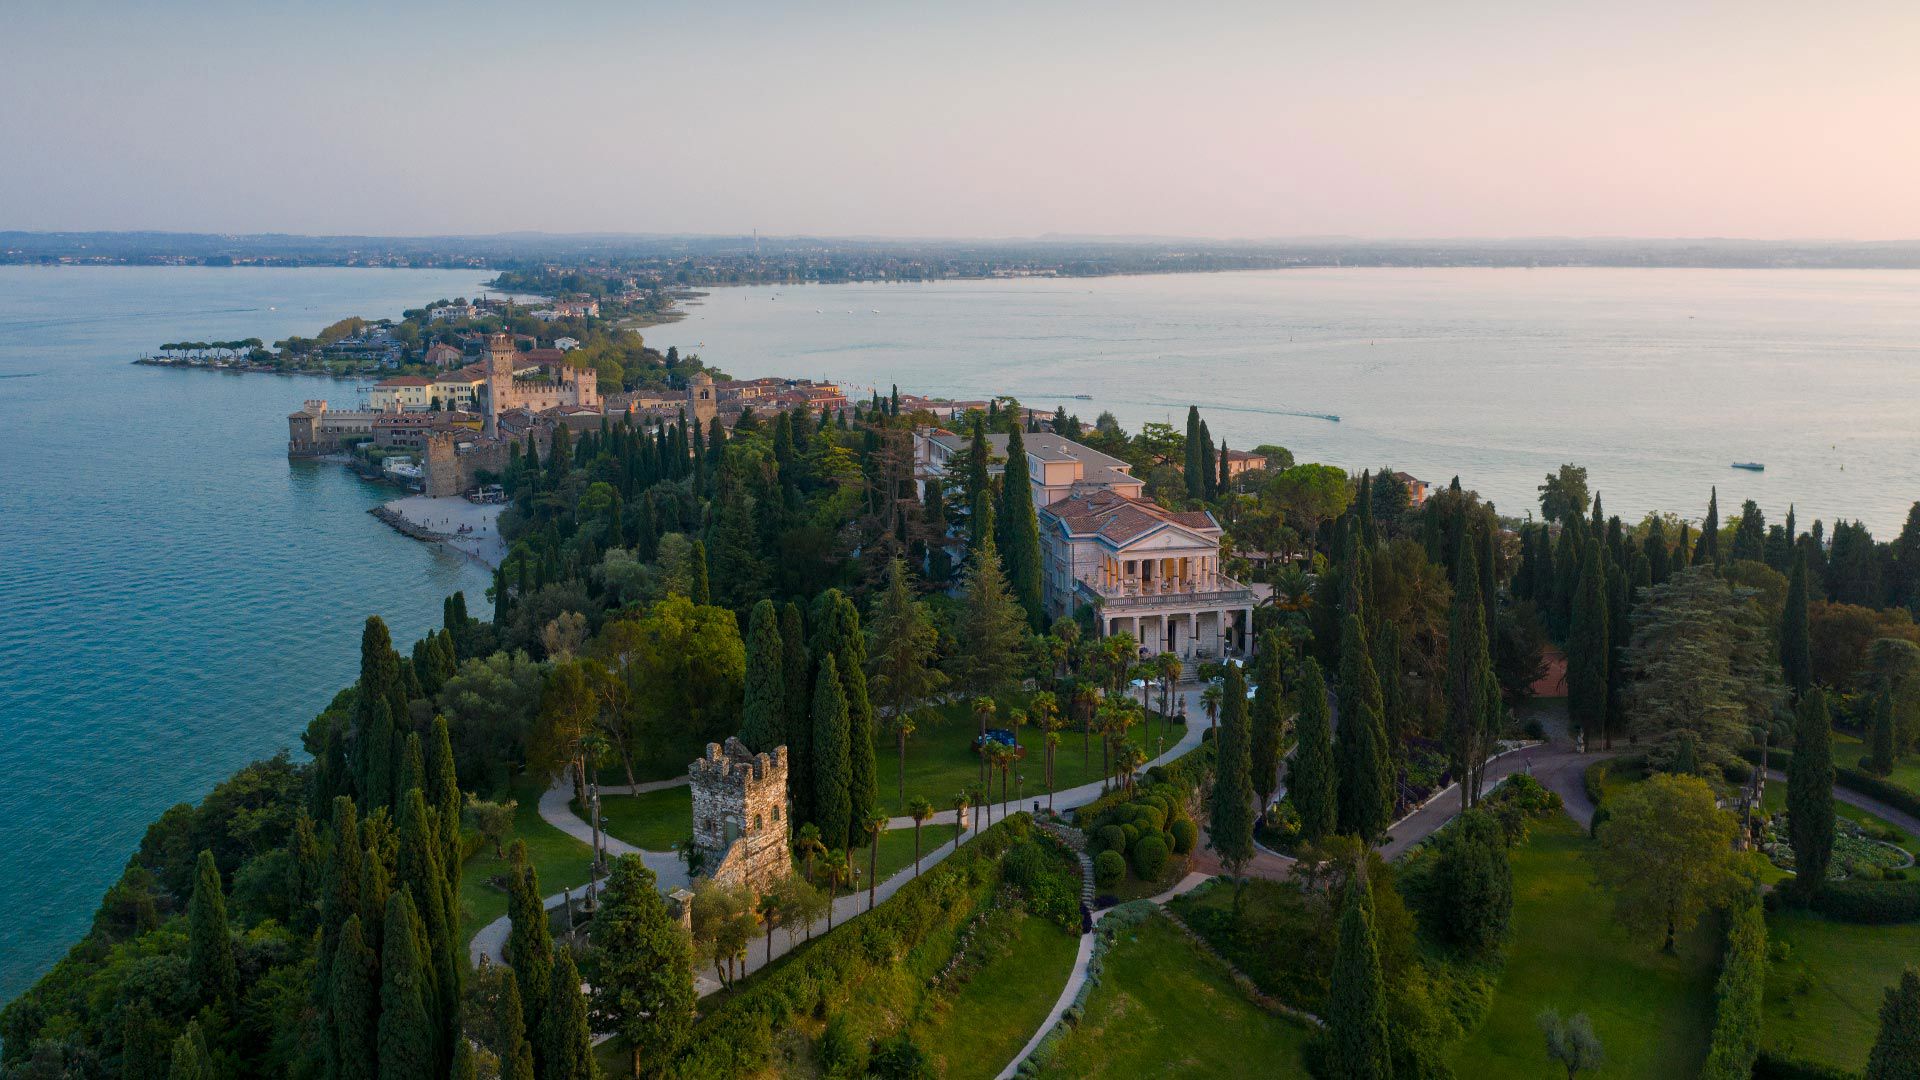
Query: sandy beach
point(445, 518)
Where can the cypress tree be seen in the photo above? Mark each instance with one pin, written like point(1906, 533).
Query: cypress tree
point(407, 1035)
point(419, 872)
point(979, 490)
point(763, 722)
point(1619, 629)
point(1310, 775)
point(1356, 995)
point(1796, 656)
point(529, 943)
point(643, 984)
point(1880, 759)
point(1896, 1049)
point(380, 683)
point(1225, 482)
point(1393, 703)
point(1750, 536)
point(1545, 577)
point(1470, 686)
point(566, 1039)
point(210, 965)
point(1019, 539)
point(1230, 817)
point(1365, 787)
point(1810, 793)
point(511, 1042)
point(798, 667)
point(840, 634)
point(190, 1060)
point(698, 568)
point(1363, 512)
point(832, 752)
point(376, 785)
point(1269, 709)
point(1196, 482)
point(1708, 550)
point(354, 1006)
point(443, 793)
point(1587, 651)
point(1659, 563)
point(1208, 485)
point(1566, 584)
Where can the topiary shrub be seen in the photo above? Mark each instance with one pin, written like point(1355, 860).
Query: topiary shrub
point(1108, 869)
point(1133, 834)
point(1150, 815)
point(1185, 835)
point(1110, 838)
point(1150, 857)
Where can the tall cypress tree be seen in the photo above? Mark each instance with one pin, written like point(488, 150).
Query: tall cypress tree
point(1659, 556)
point(1810, 793)
point(1587, 651)
point(210, 965)
point(1880, 746)
point(1310, 775)
point(1196, 482)
point(529, 943)
point(1269, 717)
point(1230, 817)
point(1356, 995)
point(1796, 643)
point(1019, 538)
point(1470, 685)
point(697, 566)
point(418, 872)
point(1208, 485)
point(380, 684)
point(1708, 550)
point(354, 1006)
point(376, 740)
point(796, 678)
point(1365, 787)
point(1393, 698)
point(443, 794)
point(840, 634)
point(979, 490)
point(832, 767)
point(408, 1035)
point(190, 1059)
point(763, 721)
point(510, 1041)
point(566, 1040)
point(1896, 1049)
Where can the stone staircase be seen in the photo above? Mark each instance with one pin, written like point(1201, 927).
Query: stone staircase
point(1076, 841)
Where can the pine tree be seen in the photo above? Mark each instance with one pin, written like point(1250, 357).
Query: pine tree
point(1471, 687)
point(1796, 657)
point(1587, 652)
point(643, 984)
point(991, 628)
point(1810, 793)
point(1896, 1049)
point(1310, 775)
point(211, 969)
point(529, 943)
point(832, 752)
point(407, 1036)
point(1708, 550)
point(1364, 788)
point(511, 1042)
point(905, 644)
point(796, 678)
point(566, 1040)
point(190, 1060)
point(1356, 1031)
point(1268, 718)
point(763, 719)
point(1019, 538)
point(354, 1006)
point(1230, 818)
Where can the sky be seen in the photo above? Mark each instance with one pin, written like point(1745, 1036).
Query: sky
point(1761, 119)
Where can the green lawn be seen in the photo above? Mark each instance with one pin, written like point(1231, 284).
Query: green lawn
point(941, 761)
point(1274, 939)
point(1164, 1008)
point(1823, 1000)
point(977, 1031)
point(654, 821)
point(1652, 1012)
point(560, 860)
point(1776, 800)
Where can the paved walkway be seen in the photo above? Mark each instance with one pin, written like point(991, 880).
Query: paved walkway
point(1894, 816)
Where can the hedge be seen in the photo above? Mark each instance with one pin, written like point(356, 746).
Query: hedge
point(1870, 902)
point(1737, 997)
point(1852, 779)
point(1772, 1066)
point(736, 1039)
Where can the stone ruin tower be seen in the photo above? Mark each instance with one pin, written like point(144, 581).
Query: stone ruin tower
point(740, 814)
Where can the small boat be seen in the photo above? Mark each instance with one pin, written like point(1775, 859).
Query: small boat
point(1750, 466)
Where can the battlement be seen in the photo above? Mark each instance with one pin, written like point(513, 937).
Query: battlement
point(733, 765)
point(740, 813)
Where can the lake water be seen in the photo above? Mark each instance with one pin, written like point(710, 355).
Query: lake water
point(177, 599)
point(1656, 380)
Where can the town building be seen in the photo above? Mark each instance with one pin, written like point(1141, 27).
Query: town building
point(1416, 489)
point(401, 393)
point(1240, 461)
point(740, 814)
point(566, 344)
point(442, 355)
point(1142, 569)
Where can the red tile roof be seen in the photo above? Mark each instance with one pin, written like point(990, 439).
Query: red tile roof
point(1117, 518)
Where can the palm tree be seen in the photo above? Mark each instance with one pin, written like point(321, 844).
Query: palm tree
point(876, 824)
point(1108, 721)
point(1053, 743)
point(903, 727)
point(921, 811)
point(960, 804)
point(1001, 758)
point(983, 709)
point(1128, 759)
point(839, 872)
point(769, 905)
point(1144, 672)
point(1210, 699)
point(808, 845)
point(1170, 669)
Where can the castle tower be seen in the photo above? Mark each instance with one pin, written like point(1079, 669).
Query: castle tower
point(702, 403)
point(740, 814)
point(500, 355)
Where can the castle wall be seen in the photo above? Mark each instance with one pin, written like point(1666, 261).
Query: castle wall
point(740, 814)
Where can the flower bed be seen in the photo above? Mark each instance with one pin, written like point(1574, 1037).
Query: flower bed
point(1856, 855)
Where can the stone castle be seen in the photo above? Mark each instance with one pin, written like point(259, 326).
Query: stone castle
point(740, 814)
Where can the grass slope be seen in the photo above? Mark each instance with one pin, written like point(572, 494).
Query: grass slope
point(560, 860)
point(1652, 1012)
point(1164, 1008)
point(1823, 1000)
point(977, 1031)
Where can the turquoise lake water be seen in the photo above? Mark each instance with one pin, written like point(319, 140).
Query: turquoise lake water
point(176, 598)
point(1656, 380)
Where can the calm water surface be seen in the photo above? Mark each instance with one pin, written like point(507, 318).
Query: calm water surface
point(176, 599)
point(1656, 380)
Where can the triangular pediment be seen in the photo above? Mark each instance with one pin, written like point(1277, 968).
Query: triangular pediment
point(1169, 537)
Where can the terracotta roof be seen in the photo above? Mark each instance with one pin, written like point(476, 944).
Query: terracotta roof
point(1245, 455)
point(1114, 517)
point(547, 356)
point(406, 380)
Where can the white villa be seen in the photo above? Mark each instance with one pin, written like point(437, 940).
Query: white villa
point(1145, 570)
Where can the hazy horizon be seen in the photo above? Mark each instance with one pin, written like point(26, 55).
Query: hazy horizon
point(1766, 122)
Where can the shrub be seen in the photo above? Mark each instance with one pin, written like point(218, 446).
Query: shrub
point(1737, 998)
point(1771, 1066)
point(1110, 838)
point(1519, 799)
point(1150, 813)
point(1872, 902)
point(900, 1058)
point(1150, 857)
point(1108, 869)
point(1132, 832)
point(1185, 835)
point(838, 1053)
